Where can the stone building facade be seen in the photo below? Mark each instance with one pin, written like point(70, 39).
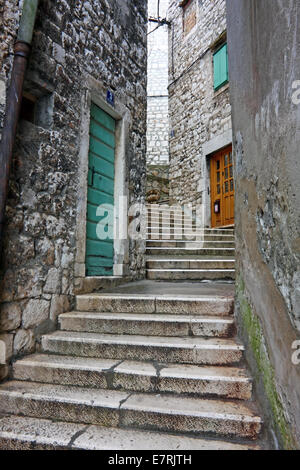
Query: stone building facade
point(200, 115)
point(82, 53)
point(265, 101)
point(157, 87)
point(157, 106)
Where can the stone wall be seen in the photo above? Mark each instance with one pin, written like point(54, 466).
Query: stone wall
point(9, 17)
point(266, 128)
point(80, 50)
point(157, 130)
point(157, 112)
point(157, 190)
point(198, 114)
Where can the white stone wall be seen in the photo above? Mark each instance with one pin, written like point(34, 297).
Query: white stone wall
point(157, 130)
point(198, 114)
point(157, 118)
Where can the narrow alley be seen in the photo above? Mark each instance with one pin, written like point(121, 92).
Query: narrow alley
point(149, 225)
point(145, 356)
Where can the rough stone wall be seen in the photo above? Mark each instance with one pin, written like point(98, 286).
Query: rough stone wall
point(9, 17)
point(157, 130)
point(105, 40)
point(157, 112)
point(197, 113)
point(264, 48)
point(157, 184)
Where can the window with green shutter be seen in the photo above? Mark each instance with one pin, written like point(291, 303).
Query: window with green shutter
point(220, 67)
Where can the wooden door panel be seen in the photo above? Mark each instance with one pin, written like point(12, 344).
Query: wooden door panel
point(222, 188)
point(99, 252)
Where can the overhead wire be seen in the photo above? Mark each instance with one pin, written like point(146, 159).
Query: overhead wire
point(154, 29)
point(159, 21)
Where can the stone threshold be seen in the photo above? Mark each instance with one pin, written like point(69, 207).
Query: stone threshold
point(89, 285)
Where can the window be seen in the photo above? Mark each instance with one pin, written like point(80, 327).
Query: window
point(220, 67)
point(37, 107)
point(189, 15)
point(27, 111)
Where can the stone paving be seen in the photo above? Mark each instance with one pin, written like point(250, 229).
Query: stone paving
point(146, 365)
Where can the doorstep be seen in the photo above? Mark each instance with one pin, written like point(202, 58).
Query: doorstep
point(88, 285)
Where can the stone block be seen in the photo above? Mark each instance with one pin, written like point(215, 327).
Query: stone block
point(59, 53)
point(10, 316)
point(45, 249)
point(53, 282)
point(59, 304)
point(35, 313)
point(6, 347)
point(23, 342)
point(2, 93)
point(29, 283)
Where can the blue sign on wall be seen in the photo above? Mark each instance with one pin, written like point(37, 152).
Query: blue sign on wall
point(110, 97)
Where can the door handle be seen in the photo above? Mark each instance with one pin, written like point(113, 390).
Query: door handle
point(93, 173)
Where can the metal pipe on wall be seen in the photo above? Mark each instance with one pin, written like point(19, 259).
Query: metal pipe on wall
point(14, 98)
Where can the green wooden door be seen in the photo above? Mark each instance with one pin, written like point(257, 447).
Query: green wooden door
point(100, 250)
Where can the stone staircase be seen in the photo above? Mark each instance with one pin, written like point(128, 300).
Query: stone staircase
point(145, 366)
point(179, 250)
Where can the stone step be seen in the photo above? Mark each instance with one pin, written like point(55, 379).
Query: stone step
point(224, 382)
point(150, 324)
point(165, 251)
point(184, 224)
point(180, 234)
point(23, 433)
point(190, 274)
point(190, 244)
point(166, 221)
point(187, 350)
point(177, 213)
point(194, 305)
point(176, 230)
point(181, 213)
point(165, 263)
point(157, 226)
point(167, 244)
point(179, 217)
point(169, 209)
point(193, 239)
point(112, 408)
point(202, 237)
point(88, 284)
point(162, 208)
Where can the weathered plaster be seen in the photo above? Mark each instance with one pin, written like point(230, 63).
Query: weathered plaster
point(264, 43)
point(276, 415)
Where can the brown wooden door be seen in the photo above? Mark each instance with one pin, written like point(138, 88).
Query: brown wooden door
point(222, 188)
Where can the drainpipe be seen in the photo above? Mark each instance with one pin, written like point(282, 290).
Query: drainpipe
point(14, 98)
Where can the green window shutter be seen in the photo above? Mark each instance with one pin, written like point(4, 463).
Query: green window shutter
point(220, 67)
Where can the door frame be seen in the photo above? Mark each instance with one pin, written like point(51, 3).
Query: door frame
point(94, 91)
point(222, 152)
point(208, 149)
